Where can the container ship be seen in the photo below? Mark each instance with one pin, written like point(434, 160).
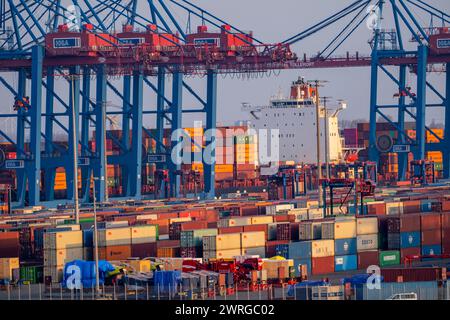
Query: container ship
point(295, 120)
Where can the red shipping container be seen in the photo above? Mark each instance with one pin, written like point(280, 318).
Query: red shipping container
point(9, 245)
point(445, 219)
point(168, 215)
point(378, 209)
point(411, 274)
point(445, 205)
point(410, 223)
point(323, 265)
point(409, 252)
point(431, 237)
point(430, 221)
point(167, 243)
point(143, 250)
point(288, 231)
point(256, 227)
point(230, 230)
point(113, 253)
point(284, 218)
point(411, 206)
point(212, 215)
point(368, 258)
point(249, 211)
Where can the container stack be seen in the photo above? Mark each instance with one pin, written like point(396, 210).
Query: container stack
point(409, 235)
point(431, 234)
point(61, 247)
point(191, 242)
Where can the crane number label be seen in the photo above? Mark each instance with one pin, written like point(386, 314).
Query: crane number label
point(66, 43)
point(443, 43)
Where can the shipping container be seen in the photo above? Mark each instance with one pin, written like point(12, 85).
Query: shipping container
point(115, 253)
point(144, 234)
point(430, 221)
point(322, 248)
point(63, 240)
point(343, 247)
point(431, 249)
point(322, 265)
point(389, 258)
point(368, 258)
point(367, 242)
point(366, 226)
point(345, 263)
point(410, 239)
point(344, 229)
point(7, 265)
point(253, 239)
point(114, 237)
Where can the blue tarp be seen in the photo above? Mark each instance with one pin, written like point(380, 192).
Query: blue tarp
point(88, 271)
point(358, 279)
point(166, 280)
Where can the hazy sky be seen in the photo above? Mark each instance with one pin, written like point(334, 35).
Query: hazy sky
point(273, 21)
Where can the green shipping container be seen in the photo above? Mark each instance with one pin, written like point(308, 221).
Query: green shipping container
point(31, 274)
point(389, 258)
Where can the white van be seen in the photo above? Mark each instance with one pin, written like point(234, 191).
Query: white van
point(403, 296)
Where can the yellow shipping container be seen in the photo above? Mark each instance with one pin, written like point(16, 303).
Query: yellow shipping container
point(344, 229)
point(262, 220)
point(253, 239)
point(7, 265)
point(183, 219)
point(222, 254)
point(114, 237)
point(322, 248)
point(60, 257)
point(140, 265)
point(144, 234)
point(63, 239)
point(228, 241)
point(366, 226)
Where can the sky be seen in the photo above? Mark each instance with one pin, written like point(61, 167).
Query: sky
point(271, 22)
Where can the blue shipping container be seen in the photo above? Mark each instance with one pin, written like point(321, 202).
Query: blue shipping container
point(344, 247)
point(88, 238)
point(300, 250)
point(345, 263)
point(432, 249)
point(282, 250)
point(410, 239)
point(426, 205)
point(298, 262)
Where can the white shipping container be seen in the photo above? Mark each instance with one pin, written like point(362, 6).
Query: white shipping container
point(144, 234)
point(322, 248)
point(114, 237)
point(253, 239)
point(394, 208)
point(63, 240)
point(300, 214)
point(367, 242)
point(315, 213)
point(60, 257)
point(344, 228)
point(147, 217)
point(259, 251)
point(366, 225)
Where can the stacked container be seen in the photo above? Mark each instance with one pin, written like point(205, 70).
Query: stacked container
point(445, 233)
point(409, 235)
point(143, 240)
point(431, 234)
point(114, 243)
point(60, 248)
point(191, 242)
point(322, 257)
point(253, 243)
point(223, 246)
